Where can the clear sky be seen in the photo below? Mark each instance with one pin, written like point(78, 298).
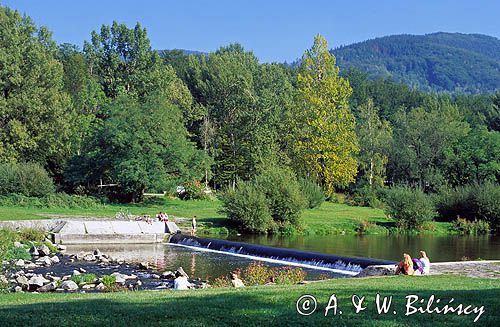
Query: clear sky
point(276, 30)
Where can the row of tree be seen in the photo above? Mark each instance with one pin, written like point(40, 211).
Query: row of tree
point(119, 112)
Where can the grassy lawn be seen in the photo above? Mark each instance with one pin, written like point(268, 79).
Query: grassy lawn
point(329, 218)
point(258, 306)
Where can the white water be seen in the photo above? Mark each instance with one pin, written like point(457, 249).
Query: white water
point(271, 260)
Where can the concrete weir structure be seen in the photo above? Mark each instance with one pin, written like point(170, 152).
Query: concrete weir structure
point(99, 231)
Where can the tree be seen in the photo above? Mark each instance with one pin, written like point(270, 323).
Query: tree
point(375, 137)
point(124, 64)
point(36, 118)
point(325, 142)
point(141, 145)
point(423, 138)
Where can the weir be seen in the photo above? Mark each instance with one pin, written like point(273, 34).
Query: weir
point(314, 260)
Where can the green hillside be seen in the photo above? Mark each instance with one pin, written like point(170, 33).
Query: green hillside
point(438, 62)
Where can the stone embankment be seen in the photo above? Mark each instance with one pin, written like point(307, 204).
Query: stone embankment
point(481, 269)
point(72, 231)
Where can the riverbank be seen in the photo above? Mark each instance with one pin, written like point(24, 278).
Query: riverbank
point(329, 218)
point(265, 305)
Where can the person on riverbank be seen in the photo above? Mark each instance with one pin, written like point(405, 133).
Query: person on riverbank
point(424, 259)
point(236, 281)
point(193, 226)
point(181, 282)
point(405, 267)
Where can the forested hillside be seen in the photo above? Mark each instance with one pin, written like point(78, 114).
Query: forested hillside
point(433, 62)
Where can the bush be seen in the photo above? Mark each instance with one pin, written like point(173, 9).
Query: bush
point(28, 179)
point(282, 191)
point(472, 202)
point(31, 234)
point(58, 200)
point(247, 208)
point(259, 274)
point(365, 197)
point(194, 190)
point(312, 193)
point(84, 278)
point(476, 227)
point(108, 280)
point(410, 208)
point(16, 253)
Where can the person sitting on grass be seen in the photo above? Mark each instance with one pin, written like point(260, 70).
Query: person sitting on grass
point(181, 282)
point(424, 259)
point(236, 281)
point(405, 267)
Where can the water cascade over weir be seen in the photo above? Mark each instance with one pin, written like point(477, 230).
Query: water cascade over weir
point(312, 260)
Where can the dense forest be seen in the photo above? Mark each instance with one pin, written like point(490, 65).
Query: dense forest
point(119, 113)
point(453, 62)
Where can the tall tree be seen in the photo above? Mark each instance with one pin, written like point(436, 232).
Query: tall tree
point(36, 119)
point(140, 146)
point(326, 141)
point(375, 137)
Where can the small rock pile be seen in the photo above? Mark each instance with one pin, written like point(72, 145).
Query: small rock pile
point(58, 272)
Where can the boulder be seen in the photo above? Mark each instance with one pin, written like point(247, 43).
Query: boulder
point(44, 261)
point(53, 278)
point(33, 251)
point(382, 270)
point(43, 250)
point(144, 265)
point(37, 281)
point(100, 287)
point(61, 247)
point(82, 270)
point(155, 276)
point(69, 285)
point(20, 263)
point(104, 260)
point(120, 278)
point(18, 244)
point(3, 279)
point(88, 286)
point(55, 259)
point(48, 287)
point(22, 280)
point(18, 289)
point(76, 272)
point(167, 275)
point(89, 257)
point(97, 253)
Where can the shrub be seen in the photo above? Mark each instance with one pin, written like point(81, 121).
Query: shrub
point(85, 278)
point(58, 200)
point(365, 197)
point(283, 195)
point(108, 280)
point(259, 274)
point(476, 227)
point(312, 193)
point(31, 234)
point(193, 190)
point(472, 202)
point(410, 208)
point(16, 253)
point(247, 208)
point(28, 179)
point(222, 281)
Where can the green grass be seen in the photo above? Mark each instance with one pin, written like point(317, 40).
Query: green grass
point(330, 218)
point(257, 306)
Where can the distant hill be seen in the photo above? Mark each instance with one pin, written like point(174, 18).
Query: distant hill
point(432, 62)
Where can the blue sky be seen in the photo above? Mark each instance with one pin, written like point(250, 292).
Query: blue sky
point(274, 30)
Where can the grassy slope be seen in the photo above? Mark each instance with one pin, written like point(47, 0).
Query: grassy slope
point(256, 305)
point(329, 217)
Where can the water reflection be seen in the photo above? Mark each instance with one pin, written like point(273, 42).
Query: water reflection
point(439, 248)
point(205, 265)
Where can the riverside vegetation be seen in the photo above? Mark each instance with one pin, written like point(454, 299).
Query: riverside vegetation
point(117, 120)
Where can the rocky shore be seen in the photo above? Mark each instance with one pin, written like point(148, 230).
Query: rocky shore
point(51, 269)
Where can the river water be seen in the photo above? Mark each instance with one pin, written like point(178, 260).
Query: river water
point(391, 247)
point(209, 265)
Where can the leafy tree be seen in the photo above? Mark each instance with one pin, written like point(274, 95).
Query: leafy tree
point(140, 146)
point(423, 138)
point(36, 120)
point(375, 137)
point(325, 141)
point(124, 63)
